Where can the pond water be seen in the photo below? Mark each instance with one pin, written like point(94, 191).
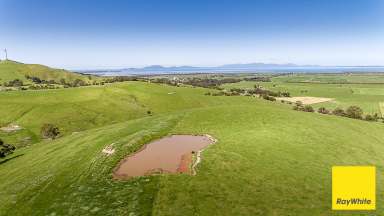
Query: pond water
point(171, 154)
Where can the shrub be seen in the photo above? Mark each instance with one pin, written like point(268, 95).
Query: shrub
point(354, 112)
point(285, 94)
point(36, 80)
point(270, 98)
point(338, 112)
point(369, 117)
point(237, 90)
point(308, 108)
point(323, 110)
point(374, 117)
point(6, 149)
point(149, 112)
point(78, 82)
point(49, 131)
point(62, 81)
point(14, 83)
point(220, 93)
point(299, 103)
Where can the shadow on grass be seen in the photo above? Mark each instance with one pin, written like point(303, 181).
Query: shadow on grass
point(8, 159)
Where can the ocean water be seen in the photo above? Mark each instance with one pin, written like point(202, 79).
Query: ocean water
point(193, 70)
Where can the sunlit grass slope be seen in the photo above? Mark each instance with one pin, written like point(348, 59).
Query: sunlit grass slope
point(269, 159)
point(11, 70)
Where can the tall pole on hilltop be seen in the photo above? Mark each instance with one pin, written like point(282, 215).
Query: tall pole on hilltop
point(6, 54)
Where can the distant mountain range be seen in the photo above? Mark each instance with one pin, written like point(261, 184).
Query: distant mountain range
point(240, 66)
point(248, 66)
point(235, 68)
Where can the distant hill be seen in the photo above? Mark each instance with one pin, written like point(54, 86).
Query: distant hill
point(11, 70)
point(226, 66)
point(265, 65)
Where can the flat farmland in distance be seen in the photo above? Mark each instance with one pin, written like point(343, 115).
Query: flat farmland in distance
point(363, 92)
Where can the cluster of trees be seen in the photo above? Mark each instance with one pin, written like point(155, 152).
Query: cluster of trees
point(238, 91)
point(14, 83)
point(305, 108)
point(165, 81)
point(37, 80)
point(262, 93)
point(39, 83)
point(73, 84)
point(62, 81)
point(44, 84)
point(197, 82)
point(206, 82)
point(37, 87)
point(209, 83)
point(121, 79)
point(223, 93)
point(354, 112)
point(6, 149)
point(258, 79)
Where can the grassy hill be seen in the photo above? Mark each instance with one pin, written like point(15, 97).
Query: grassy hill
point(269, 159)
point(11, 70)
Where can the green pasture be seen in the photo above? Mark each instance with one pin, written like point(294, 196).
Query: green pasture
point(367, 96)
point(269, 159)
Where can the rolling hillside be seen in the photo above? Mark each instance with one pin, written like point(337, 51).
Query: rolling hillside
point(269, 159)
point(11, 70)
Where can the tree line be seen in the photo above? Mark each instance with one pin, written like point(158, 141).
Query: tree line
point(354, 112)
point(256, 91)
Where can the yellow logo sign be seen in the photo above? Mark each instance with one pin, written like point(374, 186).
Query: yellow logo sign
point(353, 188)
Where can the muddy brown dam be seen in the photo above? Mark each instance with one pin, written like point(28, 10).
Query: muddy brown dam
point(172, 154)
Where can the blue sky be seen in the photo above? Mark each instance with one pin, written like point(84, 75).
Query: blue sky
point(80, 34)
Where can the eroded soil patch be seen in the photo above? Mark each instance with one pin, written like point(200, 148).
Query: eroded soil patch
point(305, 100)
point(172, 154)
point(11, 128)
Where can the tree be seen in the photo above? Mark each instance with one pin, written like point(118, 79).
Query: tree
point(323, 110)
point(354, 112)
point(6, 149)
point(49, 131)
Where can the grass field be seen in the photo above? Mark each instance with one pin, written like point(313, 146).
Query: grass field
point(336, 78)
point(11, 70)
point(269, 159)
point(365, 94)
